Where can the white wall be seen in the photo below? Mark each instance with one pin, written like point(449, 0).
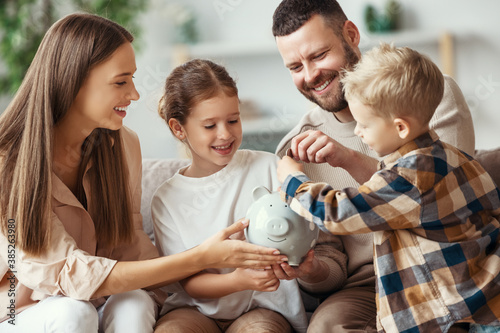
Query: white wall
point(264, 80)
point(475, 26)
point(260, 78)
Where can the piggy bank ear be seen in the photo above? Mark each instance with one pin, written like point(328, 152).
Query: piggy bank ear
point(259, 191)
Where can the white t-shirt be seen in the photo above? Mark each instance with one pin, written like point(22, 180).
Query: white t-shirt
point(186, 211)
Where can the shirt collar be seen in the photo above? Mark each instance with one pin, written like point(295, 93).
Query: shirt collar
point(63, 194)
point(424, 140)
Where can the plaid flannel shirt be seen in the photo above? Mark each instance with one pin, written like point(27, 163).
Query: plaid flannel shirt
point(435, 215)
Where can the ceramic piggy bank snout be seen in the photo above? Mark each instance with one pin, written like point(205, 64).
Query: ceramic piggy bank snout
point(274, 224)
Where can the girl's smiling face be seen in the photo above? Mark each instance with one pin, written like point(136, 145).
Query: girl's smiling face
point(213, 133)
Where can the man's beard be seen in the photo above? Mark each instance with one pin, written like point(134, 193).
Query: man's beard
point(333, 101)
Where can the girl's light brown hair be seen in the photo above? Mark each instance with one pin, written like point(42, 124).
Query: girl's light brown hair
point(191, 83)
point(67, 53)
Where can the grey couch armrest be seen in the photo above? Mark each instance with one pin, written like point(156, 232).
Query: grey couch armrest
point(154, 173)
point(490, 160)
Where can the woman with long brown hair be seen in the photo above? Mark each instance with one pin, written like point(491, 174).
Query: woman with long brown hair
point(71, 231)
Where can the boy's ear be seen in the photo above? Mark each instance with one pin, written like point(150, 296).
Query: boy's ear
point(177, 129)
point(402, 127)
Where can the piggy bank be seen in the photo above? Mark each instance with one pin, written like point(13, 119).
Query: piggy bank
point(274, 224)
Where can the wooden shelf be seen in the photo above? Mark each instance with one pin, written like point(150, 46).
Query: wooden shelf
point(226, 49)
point(258, 132)
point(411, 38)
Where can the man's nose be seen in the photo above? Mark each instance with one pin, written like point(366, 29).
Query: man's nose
point(311, 73)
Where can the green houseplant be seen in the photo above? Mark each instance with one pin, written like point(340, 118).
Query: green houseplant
point(23, 24)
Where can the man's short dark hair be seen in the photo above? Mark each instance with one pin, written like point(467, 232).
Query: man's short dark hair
point(293, 14)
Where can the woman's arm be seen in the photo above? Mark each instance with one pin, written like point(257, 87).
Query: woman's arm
point(216, 252)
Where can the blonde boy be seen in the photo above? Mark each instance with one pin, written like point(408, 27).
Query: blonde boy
point(433, 209)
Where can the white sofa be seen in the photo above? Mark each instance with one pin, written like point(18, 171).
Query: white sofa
point(156, 171)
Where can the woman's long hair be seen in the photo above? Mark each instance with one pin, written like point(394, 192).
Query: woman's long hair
point(69, 50)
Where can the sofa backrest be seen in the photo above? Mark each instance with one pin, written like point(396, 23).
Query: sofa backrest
point(490, 160)
point(154, 173)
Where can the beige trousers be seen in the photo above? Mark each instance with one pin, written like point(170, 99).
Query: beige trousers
point(191, 320)
point(352, 310)
point(348, 310)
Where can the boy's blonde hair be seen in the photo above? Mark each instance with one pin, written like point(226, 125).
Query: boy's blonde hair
point(396, 82)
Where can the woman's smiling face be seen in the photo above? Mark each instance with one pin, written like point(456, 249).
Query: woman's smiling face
point(106, 93)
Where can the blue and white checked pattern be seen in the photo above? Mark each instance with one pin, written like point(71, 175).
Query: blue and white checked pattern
point(435, 215)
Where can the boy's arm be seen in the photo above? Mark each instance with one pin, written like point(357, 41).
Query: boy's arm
point(213, 285)
point(386, 198)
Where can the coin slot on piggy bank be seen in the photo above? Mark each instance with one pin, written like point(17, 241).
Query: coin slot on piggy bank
point(274, 224)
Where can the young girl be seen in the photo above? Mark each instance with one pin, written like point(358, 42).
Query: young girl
point(70, 193)
point(201, 108)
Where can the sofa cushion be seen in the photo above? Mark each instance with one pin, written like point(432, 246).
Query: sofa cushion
point(154, 173)
point(490, 160)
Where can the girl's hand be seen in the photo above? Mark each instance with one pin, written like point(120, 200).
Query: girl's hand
point(239, 235)
point(219, 251)
point(259, 280)
point(287, 166)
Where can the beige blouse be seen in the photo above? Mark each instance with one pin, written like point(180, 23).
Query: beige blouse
point(74, 265)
